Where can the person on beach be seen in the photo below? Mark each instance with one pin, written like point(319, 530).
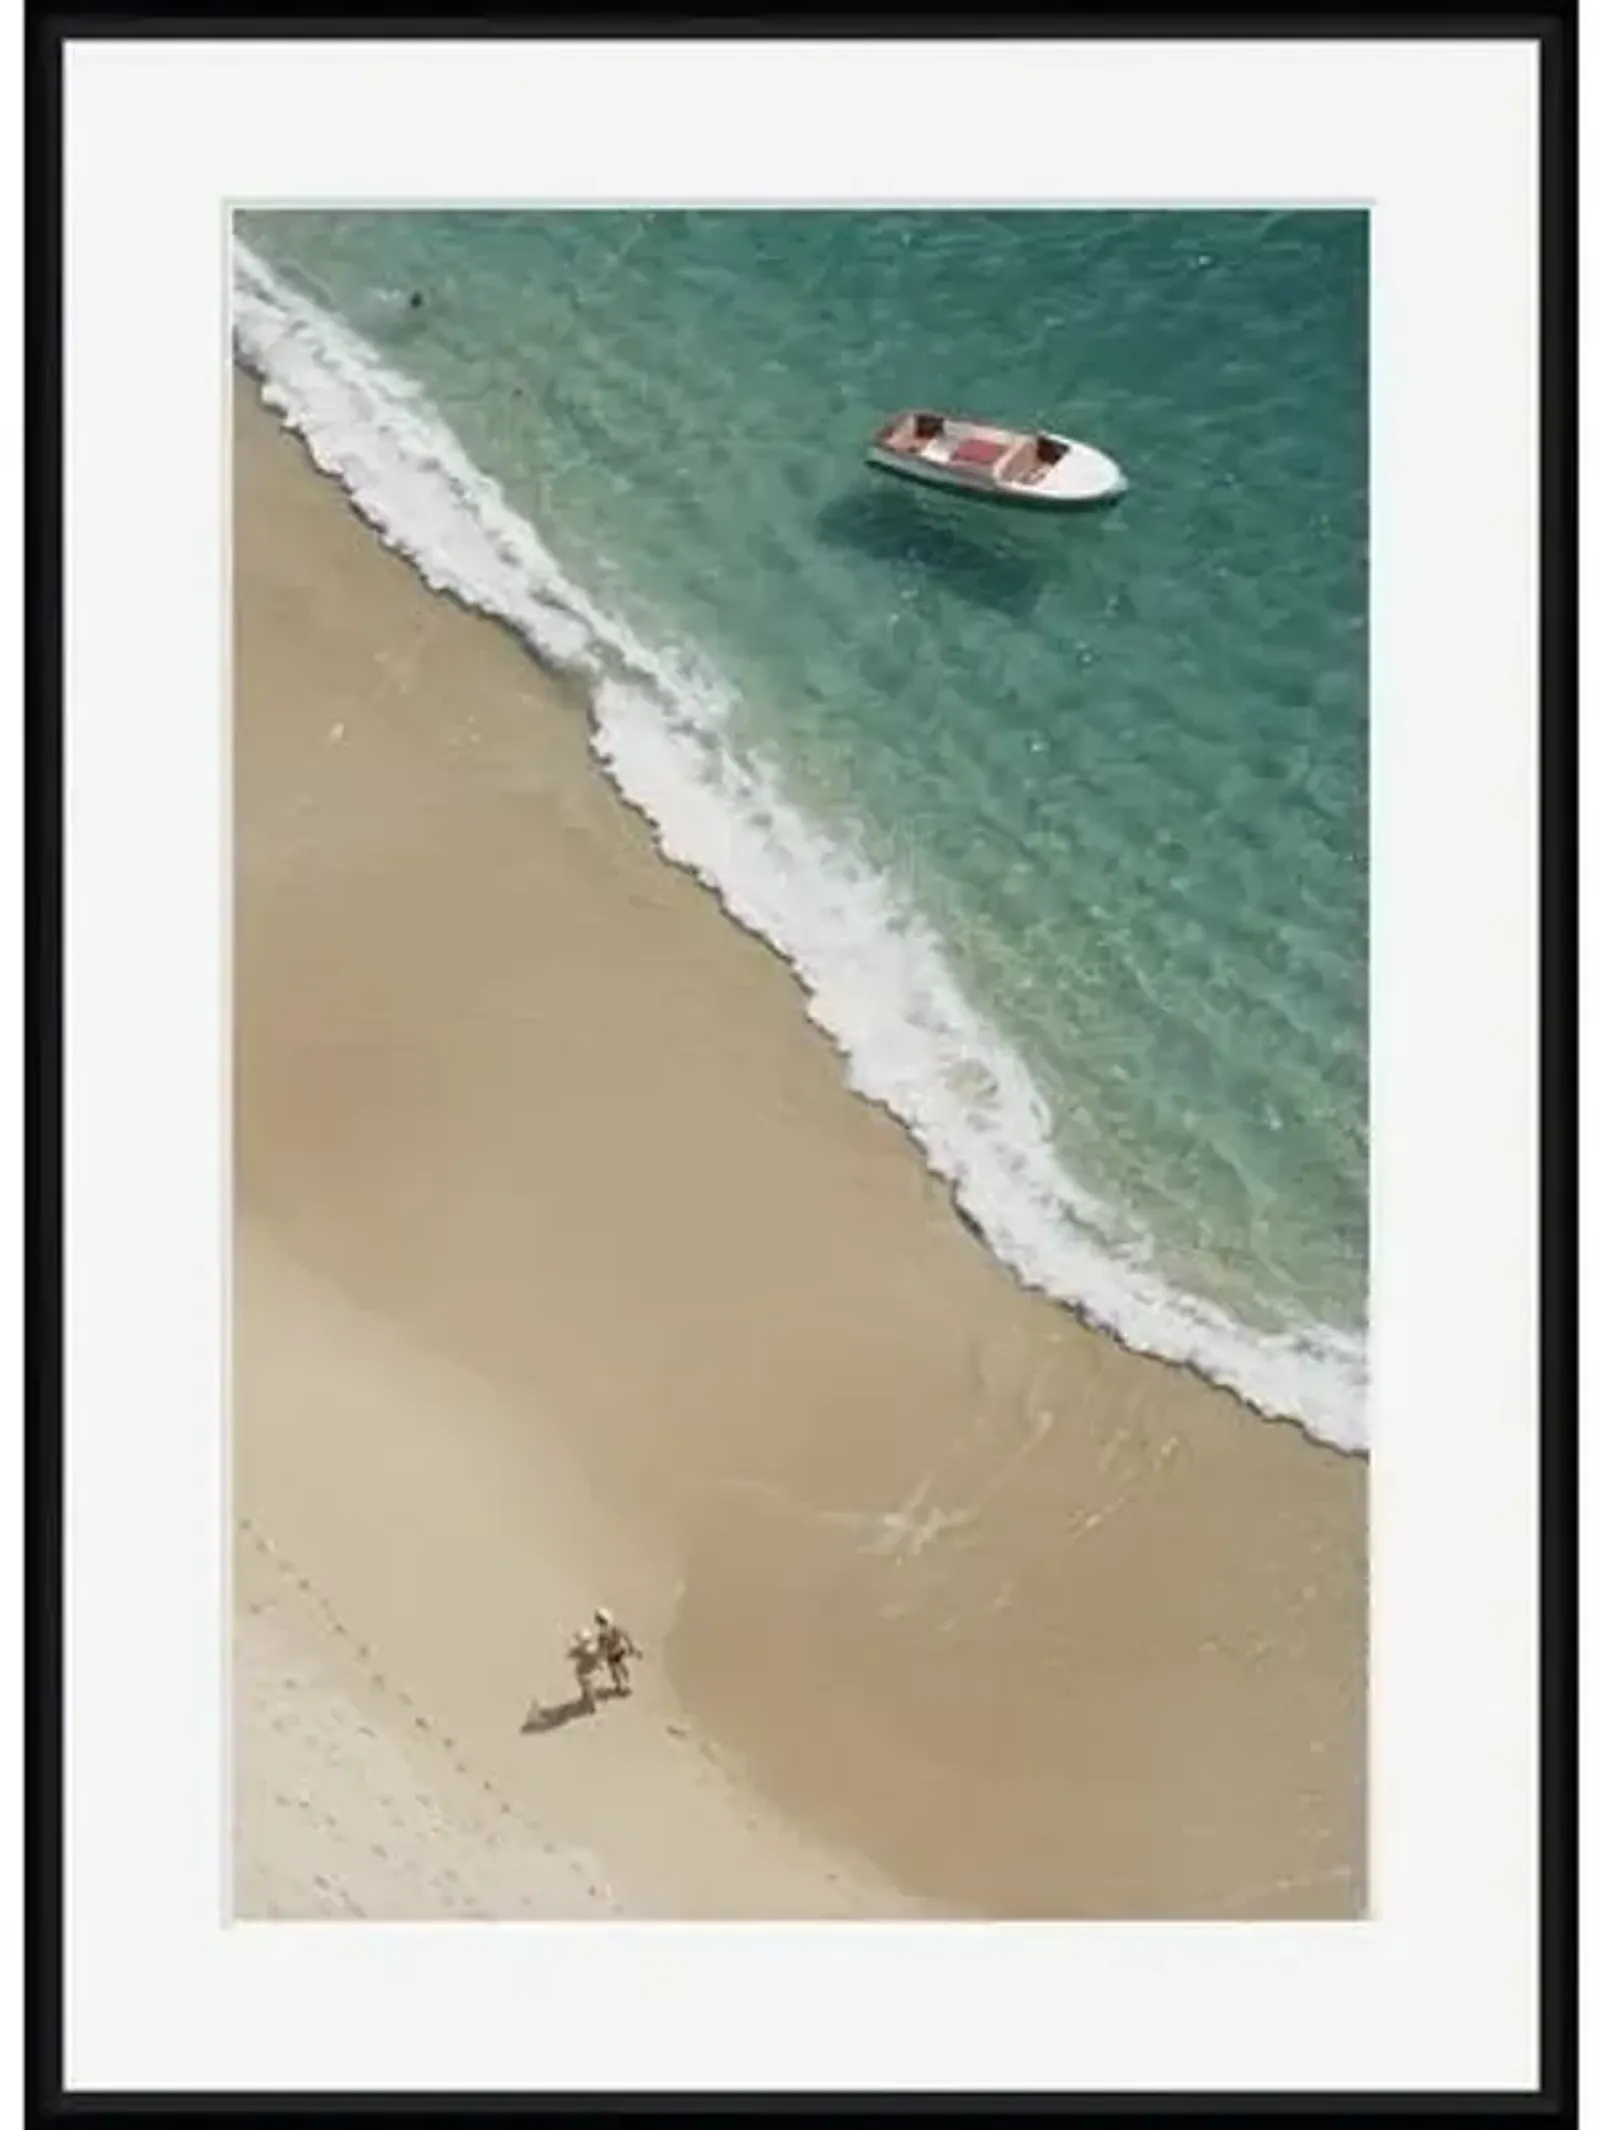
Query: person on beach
point(615, 1646)
point(583, 1652)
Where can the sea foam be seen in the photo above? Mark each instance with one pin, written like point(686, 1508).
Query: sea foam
point(874, 973)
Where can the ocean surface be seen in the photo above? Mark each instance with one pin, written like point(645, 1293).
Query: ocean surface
point(1061, 819)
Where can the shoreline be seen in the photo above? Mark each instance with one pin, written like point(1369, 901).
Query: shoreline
point(456, 530)
point(512, 1084)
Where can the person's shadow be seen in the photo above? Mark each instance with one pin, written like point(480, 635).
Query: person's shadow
point(557, 1715)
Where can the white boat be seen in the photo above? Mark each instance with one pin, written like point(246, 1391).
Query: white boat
point(1029, 466)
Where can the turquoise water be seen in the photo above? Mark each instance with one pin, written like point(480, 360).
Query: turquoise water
point(1062, 820)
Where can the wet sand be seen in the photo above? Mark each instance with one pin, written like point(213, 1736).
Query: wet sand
point(965, 1599)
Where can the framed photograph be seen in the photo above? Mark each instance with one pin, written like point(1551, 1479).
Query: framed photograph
point(797, 923)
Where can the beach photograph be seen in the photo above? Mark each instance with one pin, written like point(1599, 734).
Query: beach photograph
point(798, 1322)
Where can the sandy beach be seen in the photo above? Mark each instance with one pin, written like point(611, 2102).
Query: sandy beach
point(568, 1269)
point(407, 1739)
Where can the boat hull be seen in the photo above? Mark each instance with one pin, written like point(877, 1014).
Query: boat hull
point(956, 479)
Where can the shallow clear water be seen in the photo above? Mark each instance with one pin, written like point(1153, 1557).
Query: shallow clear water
point(1061, 819)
